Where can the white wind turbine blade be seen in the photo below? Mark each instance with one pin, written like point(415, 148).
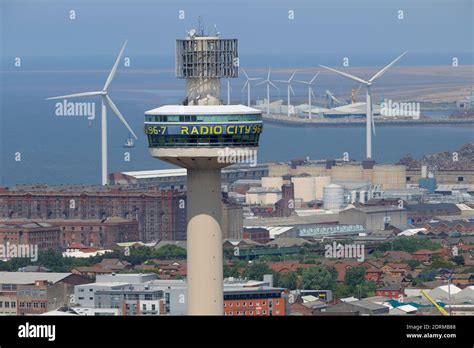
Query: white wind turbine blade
point(245, 85)
point(261, 83)
point(314, 78)
point(245, 73)
point(355, 78)
point(268, 77)
point(312, 92)
point(273, 85)
point(114, 68)
point(291, 78)
point(381, 72)
point(76, 95)
point(119, 115)
point(305, 82)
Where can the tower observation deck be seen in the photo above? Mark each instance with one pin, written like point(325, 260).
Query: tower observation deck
point(203, 135)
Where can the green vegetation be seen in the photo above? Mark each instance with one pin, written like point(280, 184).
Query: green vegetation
point(57, 263)
point(409, 245)
point(319, 277)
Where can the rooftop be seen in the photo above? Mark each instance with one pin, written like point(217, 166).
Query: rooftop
point(202, 110)
point(31, 277)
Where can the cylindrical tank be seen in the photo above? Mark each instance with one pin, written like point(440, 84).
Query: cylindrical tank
point(275, 182)
point(304, 188)
point(362, 197)
point(353, 196)
point(333, 197)
point(319, 183)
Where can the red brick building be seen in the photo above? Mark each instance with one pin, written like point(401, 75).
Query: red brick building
point(254, 301)
point(161, 215)
point(45, 236)
point(391, 291)
point(257, 234)
point(104, 233)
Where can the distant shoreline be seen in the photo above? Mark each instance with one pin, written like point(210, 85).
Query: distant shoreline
point(299, 122)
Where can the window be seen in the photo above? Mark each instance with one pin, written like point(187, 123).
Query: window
point(153, 307)
point(7, 304)
point(408, 178)
point(13, 305)
point(460, 178)
point(1, 304)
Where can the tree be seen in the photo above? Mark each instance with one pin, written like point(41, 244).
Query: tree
point(355, 276)
point(169, 252)
point(231, 272)
point(318, 278)
point(458, 260)
point(257, 270)
point(439, 262)
point(413, 263)
point(342, 290)
point(287, 280)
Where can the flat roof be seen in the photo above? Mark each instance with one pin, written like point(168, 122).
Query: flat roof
point(202, 110)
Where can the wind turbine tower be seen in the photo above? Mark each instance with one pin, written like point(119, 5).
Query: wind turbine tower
point(269, 83)
point(202, 135)
point(289, 89)
point(247, 84)
point(310, 91)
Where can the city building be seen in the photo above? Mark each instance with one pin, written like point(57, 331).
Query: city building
point(30, 293)
point(374, 217)
point(160, 214)
point(44, 235)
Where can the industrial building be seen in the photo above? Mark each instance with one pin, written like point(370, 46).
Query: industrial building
point(383, 175)
point(175, 179)
point(374, 218)
point(44, 235)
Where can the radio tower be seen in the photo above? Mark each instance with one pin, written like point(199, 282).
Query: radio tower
point(202, 135)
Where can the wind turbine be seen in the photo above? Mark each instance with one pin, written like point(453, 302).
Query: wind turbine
point(269, 83)
point(289, 88)
point(247, 84)
point(310, 91)
point(105, 99)
point(369, 116)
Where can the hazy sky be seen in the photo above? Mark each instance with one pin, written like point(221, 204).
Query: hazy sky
point(43, 27)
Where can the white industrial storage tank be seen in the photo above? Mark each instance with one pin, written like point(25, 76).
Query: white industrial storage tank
point(333, 197)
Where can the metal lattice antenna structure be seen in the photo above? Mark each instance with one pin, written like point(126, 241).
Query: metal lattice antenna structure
point(289, 90)
point(310, 91)
point(369, 115)
point(268, 83)
point(248, 83)
point(106, 100)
